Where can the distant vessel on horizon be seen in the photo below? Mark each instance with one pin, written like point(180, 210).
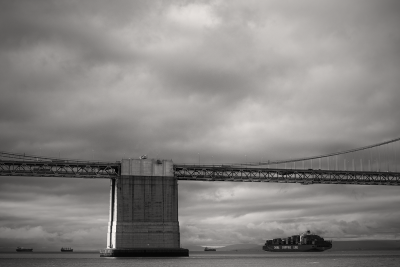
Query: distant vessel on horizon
point(209, 249)
point(22, 249)
point(306, 242)
point(66, 249)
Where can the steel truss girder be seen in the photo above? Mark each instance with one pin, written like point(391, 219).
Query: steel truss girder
point(107, 170)
point(60, 169)
point(240, 174)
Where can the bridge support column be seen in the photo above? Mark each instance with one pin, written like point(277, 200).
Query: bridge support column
point(144, 211)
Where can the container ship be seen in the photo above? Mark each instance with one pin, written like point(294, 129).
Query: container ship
point(22, 249)
point(67, 250)
point(306, 242)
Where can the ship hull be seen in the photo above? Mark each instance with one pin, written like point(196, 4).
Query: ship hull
point(295, 248)
point(25, 250)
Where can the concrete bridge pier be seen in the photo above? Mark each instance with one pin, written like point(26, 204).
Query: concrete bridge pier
point(144, 211)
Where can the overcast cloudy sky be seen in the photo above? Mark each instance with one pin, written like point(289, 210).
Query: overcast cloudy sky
point(197, 81)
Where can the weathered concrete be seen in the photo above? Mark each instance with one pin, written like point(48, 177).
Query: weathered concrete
point(144, 211)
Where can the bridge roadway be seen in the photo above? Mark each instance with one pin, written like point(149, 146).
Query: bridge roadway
point(227, 173)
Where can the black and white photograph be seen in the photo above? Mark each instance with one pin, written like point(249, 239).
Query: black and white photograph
point(199, 133)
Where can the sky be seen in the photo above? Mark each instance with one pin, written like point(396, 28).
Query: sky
point(197, 82)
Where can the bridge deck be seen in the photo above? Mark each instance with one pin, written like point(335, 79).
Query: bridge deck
point(226, 173)
point(273, 175)
point(61, 168)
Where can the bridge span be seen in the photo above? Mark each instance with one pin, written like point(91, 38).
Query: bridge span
point(224, 173)
point(272, 175)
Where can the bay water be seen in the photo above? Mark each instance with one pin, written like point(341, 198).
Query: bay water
point(200, 258)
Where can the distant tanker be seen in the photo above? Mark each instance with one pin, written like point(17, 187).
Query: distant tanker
point(22, 249)
point(306, 242)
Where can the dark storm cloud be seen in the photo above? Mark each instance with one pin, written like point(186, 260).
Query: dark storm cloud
point(201, 81)
point(234, 69)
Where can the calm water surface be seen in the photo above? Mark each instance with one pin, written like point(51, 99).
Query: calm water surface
point(215, 259)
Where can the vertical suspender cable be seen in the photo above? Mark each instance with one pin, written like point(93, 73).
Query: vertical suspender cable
point(336, 163)
point(379, 159)
point(388, 157)
point(395, 155)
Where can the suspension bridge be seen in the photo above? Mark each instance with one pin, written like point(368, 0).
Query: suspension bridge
point(144, 192)
point(370, 165)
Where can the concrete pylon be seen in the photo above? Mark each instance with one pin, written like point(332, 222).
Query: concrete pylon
point(144, 211)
